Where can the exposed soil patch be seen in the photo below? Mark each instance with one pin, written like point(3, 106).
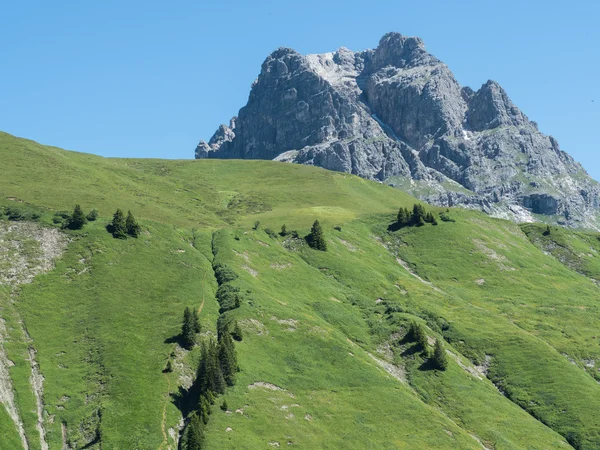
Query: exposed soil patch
point(253, 326)
point(250, 270)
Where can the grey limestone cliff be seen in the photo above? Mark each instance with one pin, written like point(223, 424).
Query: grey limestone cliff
point(396, 114)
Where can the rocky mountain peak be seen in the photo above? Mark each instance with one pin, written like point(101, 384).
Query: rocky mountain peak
point(491, 108)
point(400, 51)
point(397, 114)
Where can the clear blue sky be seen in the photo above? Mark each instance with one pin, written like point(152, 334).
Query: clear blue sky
point(149, 79)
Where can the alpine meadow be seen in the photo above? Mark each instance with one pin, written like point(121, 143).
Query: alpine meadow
point(464, 331)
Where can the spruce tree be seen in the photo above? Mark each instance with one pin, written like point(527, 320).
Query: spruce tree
point(196, 321)
point(227, 359)
point(283, 231)
point(210, 376)
point(77, 219)
point(404, 217)
point(237, 332)
point(204, 408)
point(416, 333)
point(418, 214)
point(316, 237)
point(194, 433)
point(133, 228)
point(187, 329)
point(119, 230)
point(92, 215)
point(440, 360)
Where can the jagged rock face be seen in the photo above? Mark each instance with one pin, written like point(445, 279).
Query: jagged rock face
point(397, 114)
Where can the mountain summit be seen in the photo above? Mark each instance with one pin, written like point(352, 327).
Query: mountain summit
point(397, 114)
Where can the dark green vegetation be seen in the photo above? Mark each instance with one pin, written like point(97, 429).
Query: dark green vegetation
point(341, 348)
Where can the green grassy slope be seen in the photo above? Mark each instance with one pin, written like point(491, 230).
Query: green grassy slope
point(324, 362)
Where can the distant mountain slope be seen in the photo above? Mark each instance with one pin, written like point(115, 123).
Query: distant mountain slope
point(396, 114)
point(325, 360)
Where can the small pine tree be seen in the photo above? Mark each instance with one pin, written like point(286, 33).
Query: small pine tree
point(224, 406)
point(194, 433)
point(237, 332)
point(401, 218)
point(433, 220)
point(416, 333)
point(440, 360)
point(187, 329)
point(256, 225)
point(420, 221)
point(133, 228)
point(429, 217)
point(169, 367)
point(418, 214)
point(227, 359)
point(196, 321)
point(283, 231)
point(547, 231)
point(92, 215)
point(317, 238)
point(204, 408)
point(77, 219)
point(119, 230)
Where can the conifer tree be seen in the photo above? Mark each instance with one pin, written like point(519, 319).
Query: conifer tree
point(418, 214)
point(283, 231)
point(194, 433)
point(209, 371)
point(403, 216)
point(316, 237)
point(77, 219)
point(237, 332)
point(196, 321)
point(440, 360)
point(204, 408)
point(92, 215)
point(119, 230)
point(187, 329)
point(133, 228)
point(227, 359)
point(417, 334)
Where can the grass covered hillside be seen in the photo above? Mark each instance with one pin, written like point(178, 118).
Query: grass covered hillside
point(332, 349)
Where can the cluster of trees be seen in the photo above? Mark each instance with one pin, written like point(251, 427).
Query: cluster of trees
point(218, 361)
point(76, 219)
point(315, 239)
point(439, 359)
point(17, 213)
point(418, 216)
point(121, 227)
point(216, 370)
